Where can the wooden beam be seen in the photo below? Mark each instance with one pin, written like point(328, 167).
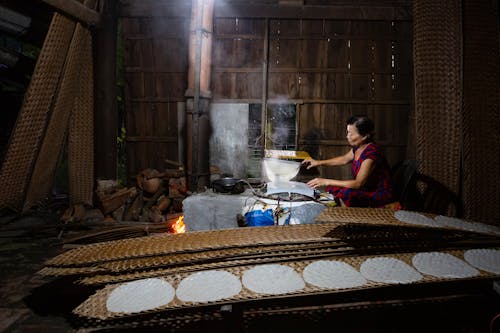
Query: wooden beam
point(396, 13)
point(146, 8)
point(343, 142)
point(76, 10)
point(161, 139)
point(312, 101)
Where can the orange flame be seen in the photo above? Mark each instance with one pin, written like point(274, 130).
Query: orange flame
point(178, 227)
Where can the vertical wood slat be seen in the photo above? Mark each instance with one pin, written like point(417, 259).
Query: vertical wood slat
point(155, 62)
point(106, 112)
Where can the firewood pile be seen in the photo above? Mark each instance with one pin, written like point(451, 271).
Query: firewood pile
point(155, 195)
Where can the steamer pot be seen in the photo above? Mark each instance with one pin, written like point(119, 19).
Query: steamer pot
point(228, 185)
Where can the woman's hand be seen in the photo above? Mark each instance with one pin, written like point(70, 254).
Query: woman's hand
point(310, 162)
point(318, 182)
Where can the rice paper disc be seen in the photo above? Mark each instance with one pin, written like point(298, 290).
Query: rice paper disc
point(332, 274)
point(140, 295)
point(414, 218)
point(468, 226)
point(208, 286)
point(389, 270)
point(443, 265)
point(272, 279)
point(485, 259)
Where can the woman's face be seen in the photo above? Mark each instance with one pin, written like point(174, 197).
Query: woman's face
point(353, 137)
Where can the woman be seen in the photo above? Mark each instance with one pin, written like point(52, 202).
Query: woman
point(372, 183)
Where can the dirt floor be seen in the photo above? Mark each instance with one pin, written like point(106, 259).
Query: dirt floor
point(25, 243)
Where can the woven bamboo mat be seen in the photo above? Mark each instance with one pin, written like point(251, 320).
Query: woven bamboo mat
point(346, 239)
point(53, 142)
point(358, 215)
point(378, 216)
point(98, 275)
point(95, 306)
point(81, 129)
point(204, 256)
point(31, 123)
point(374, 231)
point(481, 81)
point(220, 239)
point(438, 88)
point(189, 242)
point(103, 276)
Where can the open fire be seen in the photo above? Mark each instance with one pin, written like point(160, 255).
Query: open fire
point(178, 227)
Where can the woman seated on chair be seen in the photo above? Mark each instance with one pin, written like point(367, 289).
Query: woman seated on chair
point(372, 183)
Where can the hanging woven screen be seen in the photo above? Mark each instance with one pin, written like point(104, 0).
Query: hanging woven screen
point(481, 120)
point(438, 100)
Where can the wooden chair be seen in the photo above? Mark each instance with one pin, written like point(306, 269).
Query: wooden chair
point(419, 192)
point(436, 198)
point(403, 174)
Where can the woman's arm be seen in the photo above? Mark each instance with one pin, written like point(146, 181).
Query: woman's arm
point(335, 161)
point(367, 167)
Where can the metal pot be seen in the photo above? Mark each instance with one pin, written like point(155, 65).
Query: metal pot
point(228, 185)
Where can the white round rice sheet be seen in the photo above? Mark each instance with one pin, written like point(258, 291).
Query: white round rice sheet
point(332, 274)
point(443, 265)
point(208, 286)
point(140, 295)
point(468, 226)
point(485, 259)
point(389, 270)
point(272, 279)
point(414, 218)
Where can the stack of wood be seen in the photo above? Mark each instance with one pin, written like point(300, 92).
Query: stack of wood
point(155, 196)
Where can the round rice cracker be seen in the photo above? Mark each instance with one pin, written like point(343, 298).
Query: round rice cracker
point(484, 259)
point(332, 274)
point(443, 265)
point(389, 270)
point(208, 286)
point(140, 295)
point(272, 279)
point(415, 218)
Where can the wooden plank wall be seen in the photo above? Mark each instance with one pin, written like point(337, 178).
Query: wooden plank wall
point(330, 69)
point(238, 54)
point(155, 57)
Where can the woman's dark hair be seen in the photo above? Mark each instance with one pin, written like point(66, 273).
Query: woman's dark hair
point(364, 125)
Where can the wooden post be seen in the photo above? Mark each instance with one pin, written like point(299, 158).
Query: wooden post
point(106, 114)
point(265, 79)
point(198, 94)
